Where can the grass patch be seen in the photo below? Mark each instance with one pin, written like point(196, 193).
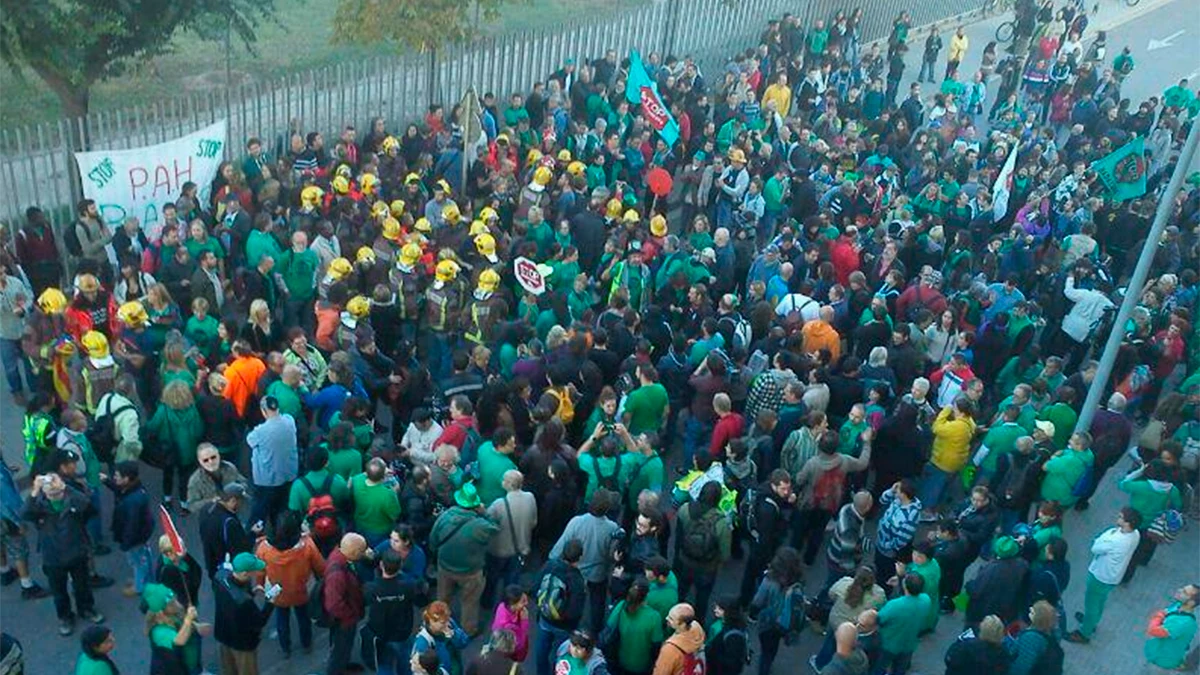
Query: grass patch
point(297, 41)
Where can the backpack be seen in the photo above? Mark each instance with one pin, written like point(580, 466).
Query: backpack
point(742, 333)
point(828, 490)
point(71, 240)
point(1083, 485)
point(1050, 660)
point(1019, 481)
point(321, 513)
point(552, 596)
point(700, 538)
point(792, 612)
point(748, 511)
point(566, 407)
point(694, 663)
point(469, 452)
point(102, 432)
point(1190, 459)
point(913, 310)
point(610, 483)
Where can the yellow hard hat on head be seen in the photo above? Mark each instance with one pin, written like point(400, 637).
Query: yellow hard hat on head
point(390, 143)
point(95, 344)
point(489, 281)
point(614, 208)
point(446, 270)
point(488, 213)
point(486, 245)
point(311, 195)
point(422, 225)
point(339, 268)
point(412, 178)
point(358, 307)
point(379, 210)
point(737, 155)
point(576, 168)
point(344, 170)
point(52, 301)
point(391, 229)
point(369, 182)
point(397, 207)
point(564, 155)
point(410, 254)
point(542, 176)
point(88, 283)
point(340, 184)
point(632, 216)
point(533, 156)
point(477, 227)
point(451, 213)
point(133, 314)
point(365, 254)
point(658, 225)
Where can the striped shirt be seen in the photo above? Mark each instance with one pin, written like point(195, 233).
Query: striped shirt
point(898, 525)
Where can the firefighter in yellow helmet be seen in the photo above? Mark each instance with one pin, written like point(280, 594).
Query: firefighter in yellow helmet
point(397, 207)
point(338, 273)
point(369, 184)
point(98, 371)
point(354, 321)
point(443, 305)
point(486, 310)
point(408, 279)
point(369, 269)
point(485, 245)
point(379, 211)
point(47, 346)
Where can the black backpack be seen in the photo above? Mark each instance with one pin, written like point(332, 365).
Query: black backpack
point(102, 433)
point(700, 537)
point(611, 483)
point(71, 240)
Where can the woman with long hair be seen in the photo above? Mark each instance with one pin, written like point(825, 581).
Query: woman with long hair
point(633, 631)
point(178, 429)
point(292, 560)
point(850, 597)
point(512, 615)
point(261, 330)
point(784, 574)
point(727, 644)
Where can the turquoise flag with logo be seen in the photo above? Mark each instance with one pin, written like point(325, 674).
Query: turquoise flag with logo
point(641, 90)
point(1124, 171)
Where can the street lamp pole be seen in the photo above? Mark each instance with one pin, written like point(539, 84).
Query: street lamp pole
point(1140, 273)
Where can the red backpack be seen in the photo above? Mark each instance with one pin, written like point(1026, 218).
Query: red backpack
point(828, 491)
point(322, 513)
point(694, 663)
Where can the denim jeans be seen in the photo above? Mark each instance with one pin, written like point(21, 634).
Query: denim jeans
point(94, 523)
point(695, 433)
point(500, 572)
point(14, 364)
point(926, 67)
point(546, 644)
point(139, 561)
point(932, 486)
point(283, 626)
point(392, 658)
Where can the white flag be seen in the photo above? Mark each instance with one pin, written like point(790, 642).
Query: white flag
point(1003, 187)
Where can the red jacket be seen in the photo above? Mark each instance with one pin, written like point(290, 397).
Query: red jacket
point(844, 258)
point(455, 433)
point(101, 317)
point(931, 298)
point(726, 429)
point(343, 591)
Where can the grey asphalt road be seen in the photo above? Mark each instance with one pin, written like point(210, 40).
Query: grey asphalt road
point(1117, 647)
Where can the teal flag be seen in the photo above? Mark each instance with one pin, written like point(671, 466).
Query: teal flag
point(1124, 171)
point(641, 90)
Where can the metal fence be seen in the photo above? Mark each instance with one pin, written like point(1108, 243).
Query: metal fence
point(37, 166)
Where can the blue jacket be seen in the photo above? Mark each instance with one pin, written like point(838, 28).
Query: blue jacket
point(11, 503)
point(132, 522)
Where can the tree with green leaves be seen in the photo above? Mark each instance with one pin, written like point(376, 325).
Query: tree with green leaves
point(423, 25)
point(74, 44)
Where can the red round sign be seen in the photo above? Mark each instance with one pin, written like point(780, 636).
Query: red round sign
point(659, 181)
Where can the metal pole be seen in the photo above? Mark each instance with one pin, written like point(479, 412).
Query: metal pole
point(1137, 281)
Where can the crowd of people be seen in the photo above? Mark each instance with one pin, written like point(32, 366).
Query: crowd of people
point(824, 354)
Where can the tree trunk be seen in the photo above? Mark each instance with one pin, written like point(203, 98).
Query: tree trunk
point(74, 97)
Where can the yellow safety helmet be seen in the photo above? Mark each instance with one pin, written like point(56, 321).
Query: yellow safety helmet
point(412, 178)
point(486, 245)
point(443, 186)
point(533, 156)
point(564, 155)
point(95, 344)
point(410, 254)
point(614, 208)
point(358, 306)
point(88, 283)
point(133, 314)
point(369, 183)
point(311, 195)
point(502, 138)
point(391, 229)
point(339, 268)
point(631, 216)
point(542, 176)
point(477, 227)
point(379, 210)
point(340, 184)
point(390, 143)
point(422, 225)
point(52, 301)
point(446, 270)
point(488, 213)
point(451, 214)
point(737, 155)
point(397, 207)
point(365, 254)
point(658, 225)
point(576, 168)
point(344, 170)
point(489, 281)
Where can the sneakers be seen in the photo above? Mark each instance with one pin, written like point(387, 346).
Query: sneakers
point(7, 577)
point(812, 663)
point(100, 581)
point(34, 592)
point(66, 627)
point(92, 615)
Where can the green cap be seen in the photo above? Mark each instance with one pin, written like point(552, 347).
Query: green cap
point(246, 562)
point(467, 496)
point(157, 597)
point(1005, 547)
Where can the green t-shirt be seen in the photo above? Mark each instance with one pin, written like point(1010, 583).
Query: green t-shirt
point(376, 507)
point(1165, 652)
point(258, 244)
point(299, 495)
point(645, 407)
point(492, 465)
point(1000, 439)
point(901, 621)
point(931, 572)
point(640, 632)
point(203, 332)
point(569, 665)
point(164, 636)
point(644, 473)
point(595, 467)
point(196, 247)
point(663, 596)
point(346, 462)
point(299, 272)
point(86, 665)
point(289, 398)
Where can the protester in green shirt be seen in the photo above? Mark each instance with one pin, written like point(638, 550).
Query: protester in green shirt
point(495, 458)
point(97, 644)
point(663, 593)
point(287, 390)
point(298, 267)
point(172, 630)
point(1000, 440)
point(376, 505)
point(345, 459)
point(636, 627)
point(900, 623)
point(924, 564)
point(1172, 629)
point(316, 461)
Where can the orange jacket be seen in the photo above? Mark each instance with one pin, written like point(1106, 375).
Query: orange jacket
point(819, 335)
point(243, 375)
point(291, 569)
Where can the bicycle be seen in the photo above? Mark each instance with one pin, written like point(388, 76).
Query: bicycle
point(1006, 30)
point(998, 7)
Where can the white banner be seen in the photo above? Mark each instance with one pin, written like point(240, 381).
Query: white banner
point(137, 182)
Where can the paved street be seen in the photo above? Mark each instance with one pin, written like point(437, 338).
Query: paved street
point(1117, 647)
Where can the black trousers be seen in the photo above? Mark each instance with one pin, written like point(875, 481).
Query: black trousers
point(77, 573)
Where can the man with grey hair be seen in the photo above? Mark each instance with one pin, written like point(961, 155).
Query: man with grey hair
point(1112, 433)
point(844, 552)
point(515, 515)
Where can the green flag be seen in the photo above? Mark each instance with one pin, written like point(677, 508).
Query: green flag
point(640, 89)
point(1124, 171)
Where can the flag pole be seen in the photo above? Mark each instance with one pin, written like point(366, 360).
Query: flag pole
point(1140, 273)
